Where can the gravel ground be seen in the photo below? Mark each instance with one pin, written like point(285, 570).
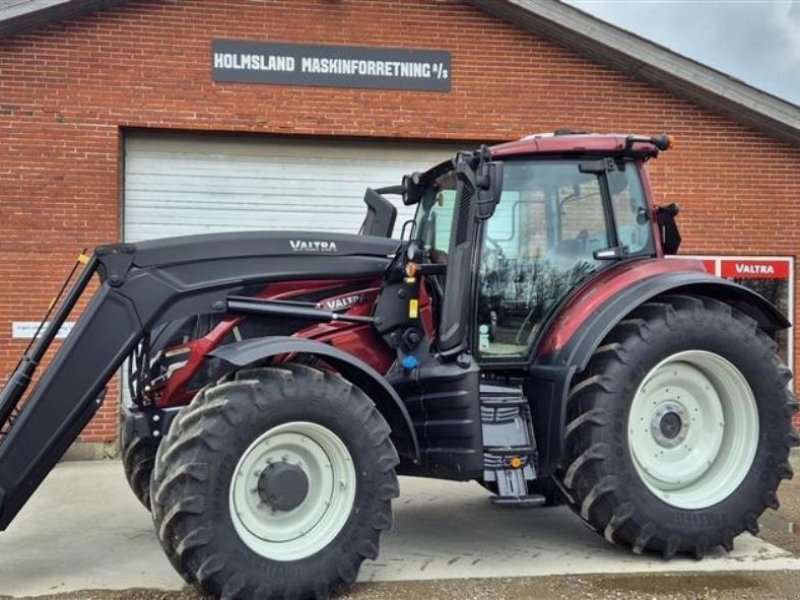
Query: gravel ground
point(717, 586)
point(781, 527)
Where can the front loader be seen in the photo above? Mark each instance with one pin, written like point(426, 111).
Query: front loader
point(526, 333)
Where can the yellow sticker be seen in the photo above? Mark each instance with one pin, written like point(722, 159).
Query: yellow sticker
point(413, 308)
point(83, 258)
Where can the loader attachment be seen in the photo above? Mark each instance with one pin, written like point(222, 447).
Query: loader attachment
point(142, 286)
point(68, 393)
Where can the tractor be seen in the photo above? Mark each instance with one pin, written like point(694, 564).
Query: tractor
point(525, 331)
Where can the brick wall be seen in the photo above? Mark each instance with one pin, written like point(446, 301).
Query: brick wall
point(68, 91)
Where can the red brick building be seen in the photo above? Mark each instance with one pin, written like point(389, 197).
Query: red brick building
point(114, 123)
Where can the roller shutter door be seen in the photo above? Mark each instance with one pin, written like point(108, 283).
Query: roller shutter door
point(187, 184)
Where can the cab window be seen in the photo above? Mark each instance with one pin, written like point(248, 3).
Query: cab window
point(540, 244)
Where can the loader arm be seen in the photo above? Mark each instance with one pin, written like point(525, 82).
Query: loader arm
point(141, 286)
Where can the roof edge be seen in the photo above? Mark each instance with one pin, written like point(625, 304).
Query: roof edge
point(23, 18)
point(640, 58)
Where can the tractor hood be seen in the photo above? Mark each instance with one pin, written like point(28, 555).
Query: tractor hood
point(258, 244)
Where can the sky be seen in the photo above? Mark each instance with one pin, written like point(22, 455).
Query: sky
point(755, 41)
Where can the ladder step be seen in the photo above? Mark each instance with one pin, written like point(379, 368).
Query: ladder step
point(528, 501)
point(509, 402)
point(510, 450)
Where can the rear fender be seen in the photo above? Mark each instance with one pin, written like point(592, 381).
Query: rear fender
point(249, 352)
point(579, 348)
point(553, 371)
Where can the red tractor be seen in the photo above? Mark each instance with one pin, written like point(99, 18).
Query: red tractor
point(525, 332)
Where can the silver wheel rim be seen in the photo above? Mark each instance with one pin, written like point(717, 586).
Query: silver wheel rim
point(287, 535)
point(693, 429)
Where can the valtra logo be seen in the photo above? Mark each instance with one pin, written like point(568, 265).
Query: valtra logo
point(341, 303)
point(312, 246)
point(755, 269)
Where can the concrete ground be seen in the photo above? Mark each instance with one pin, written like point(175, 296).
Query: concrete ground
point(83, 530)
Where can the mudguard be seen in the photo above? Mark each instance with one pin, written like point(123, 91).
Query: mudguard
point(579, 348)
point(560, 358)
point(247, 352)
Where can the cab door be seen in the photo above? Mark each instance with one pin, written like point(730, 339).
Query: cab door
point(547, 236)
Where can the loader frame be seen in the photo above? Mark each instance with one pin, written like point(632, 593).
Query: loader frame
point(141, 286)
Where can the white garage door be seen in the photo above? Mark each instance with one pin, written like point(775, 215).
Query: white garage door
point(188, 184)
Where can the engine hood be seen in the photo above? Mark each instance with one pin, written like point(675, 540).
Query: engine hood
point(260, 243)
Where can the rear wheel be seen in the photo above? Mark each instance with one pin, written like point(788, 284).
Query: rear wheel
point(679, 429)
point(276, 484)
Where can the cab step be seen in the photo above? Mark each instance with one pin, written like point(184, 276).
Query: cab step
point(509, 446)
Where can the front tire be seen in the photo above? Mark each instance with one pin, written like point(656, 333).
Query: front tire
point(138, 457)
point(679, 429)
point(277, 484)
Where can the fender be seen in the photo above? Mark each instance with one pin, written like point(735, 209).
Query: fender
point(559, 360)
point(578, 350)
point(246, 352)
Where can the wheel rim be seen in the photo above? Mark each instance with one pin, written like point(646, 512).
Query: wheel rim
point(306, 520)
point(693, 429)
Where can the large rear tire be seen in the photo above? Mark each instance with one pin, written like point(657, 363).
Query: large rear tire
point(679, 429)
point(276, 484)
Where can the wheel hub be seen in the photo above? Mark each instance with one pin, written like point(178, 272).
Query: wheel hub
point(292, 491)
point(283, 486)
point(668, 424)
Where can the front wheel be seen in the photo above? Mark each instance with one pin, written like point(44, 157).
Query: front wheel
point(276, 484)
point(679, 429)
point(138, 457)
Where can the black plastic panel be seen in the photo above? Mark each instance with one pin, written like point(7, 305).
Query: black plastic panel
point(444, 406)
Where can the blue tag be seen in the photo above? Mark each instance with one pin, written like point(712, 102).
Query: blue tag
point(410, 362)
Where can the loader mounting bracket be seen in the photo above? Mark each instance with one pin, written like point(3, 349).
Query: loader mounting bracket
point(148, 424)
point(115, 262)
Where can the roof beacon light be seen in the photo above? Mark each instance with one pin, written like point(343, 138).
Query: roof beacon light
point(662, 142)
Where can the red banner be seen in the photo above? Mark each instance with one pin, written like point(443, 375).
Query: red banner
point(755, 269)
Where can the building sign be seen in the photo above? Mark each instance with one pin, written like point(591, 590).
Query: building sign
point(331, 66)
point(25, 330)
point(770, 276)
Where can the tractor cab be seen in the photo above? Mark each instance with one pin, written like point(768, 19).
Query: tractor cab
point(555, 219)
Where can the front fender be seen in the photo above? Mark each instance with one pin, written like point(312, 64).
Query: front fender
point(247, 352)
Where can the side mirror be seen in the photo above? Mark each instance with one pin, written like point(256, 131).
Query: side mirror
point(490, 187)
point(613, 253)
point(670, 235)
